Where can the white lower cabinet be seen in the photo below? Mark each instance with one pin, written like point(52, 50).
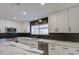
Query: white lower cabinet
point(75, 51)
point(65, 50)
point(68, 50)
point(55, 49)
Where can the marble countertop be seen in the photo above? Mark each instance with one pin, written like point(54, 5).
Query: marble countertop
point(73, 44)
point(13, 48)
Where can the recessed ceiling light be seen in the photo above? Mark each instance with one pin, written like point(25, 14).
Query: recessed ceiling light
point(42, 3)
point(24, 13)
point(40, 20)
point(14, 18)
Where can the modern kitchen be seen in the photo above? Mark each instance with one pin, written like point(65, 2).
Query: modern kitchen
point(39, 28)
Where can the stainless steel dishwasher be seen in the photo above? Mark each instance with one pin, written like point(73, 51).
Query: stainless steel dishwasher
point(43, 46)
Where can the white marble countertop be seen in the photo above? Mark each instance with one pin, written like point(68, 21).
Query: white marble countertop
point(13, 48)
point(73, 44)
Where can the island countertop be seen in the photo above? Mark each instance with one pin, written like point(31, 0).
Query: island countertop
point(75, 44)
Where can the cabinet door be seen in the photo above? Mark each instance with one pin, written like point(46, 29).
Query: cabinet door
point(68, 50)
point(62, 21)
point(53, 49)
point(52, 23)
point(74, 19)
point(74, 51)
point(64, 50)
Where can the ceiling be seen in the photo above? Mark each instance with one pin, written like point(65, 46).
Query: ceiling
point(33, 10)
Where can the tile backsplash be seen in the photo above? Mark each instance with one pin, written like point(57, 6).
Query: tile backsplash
point(74, 37)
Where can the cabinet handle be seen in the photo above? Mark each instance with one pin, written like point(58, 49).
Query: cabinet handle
point(69, 29)
point(57, 29)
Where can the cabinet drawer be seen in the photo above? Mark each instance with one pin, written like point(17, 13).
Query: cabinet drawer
point(64, 50)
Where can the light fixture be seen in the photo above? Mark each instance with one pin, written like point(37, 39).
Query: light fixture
point(14, 18)
point(40, 20)
point(24, 13)
point(42, 3)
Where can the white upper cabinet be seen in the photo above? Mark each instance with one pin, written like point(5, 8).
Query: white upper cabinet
point(65, 21)
point(62, 21)
point(52, 23)
point(58, 22)
point(74, 19)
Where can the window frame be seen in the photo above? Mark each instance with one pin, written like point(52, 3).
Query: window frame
point(39, 25)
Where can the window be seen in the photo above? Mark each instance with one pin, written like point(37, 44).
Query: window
point(35, 29)
point(39, 29)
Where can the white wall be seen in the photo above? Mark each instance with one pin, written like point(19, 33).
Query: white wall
point(26, 27)
point(9, 23)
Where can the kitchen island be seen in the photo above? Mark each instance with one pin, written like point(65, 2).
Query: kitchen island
point(55, 47)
